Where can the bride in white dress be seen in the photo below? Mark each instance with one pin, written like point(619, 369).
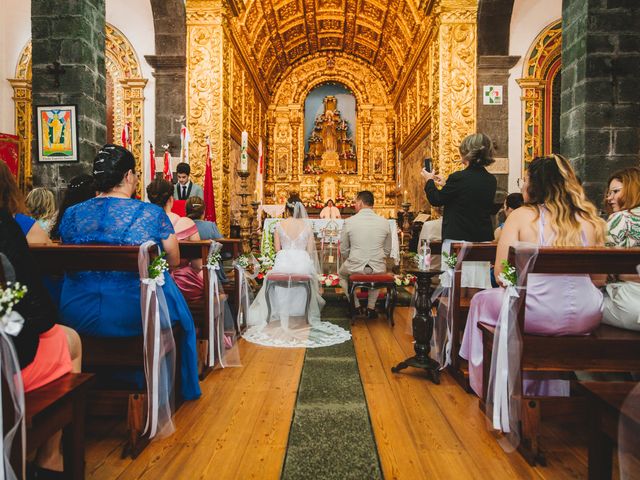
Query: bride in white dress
point(291, 323)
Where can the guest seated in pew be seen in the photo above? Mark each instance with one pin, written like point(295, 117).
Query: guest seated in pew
point(188, 276)
point(206, 229)
point(622, 296)
point(107, 304)
point(41, 204)
point(513, 201)
point(556, 213)
point(79, 189)
point(12, 199)
point(46, 351)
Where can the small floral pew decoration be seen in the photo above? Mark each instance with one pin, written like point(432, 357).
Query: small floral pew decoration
point(404, 279)
point(329, 280)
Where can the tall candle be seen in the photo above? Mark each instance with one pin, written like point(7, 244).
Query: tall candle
point(404, 197)
point(244, 156)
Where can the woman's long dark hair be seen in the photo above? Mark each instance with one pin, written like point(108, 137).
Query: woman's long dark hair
point(79, 189)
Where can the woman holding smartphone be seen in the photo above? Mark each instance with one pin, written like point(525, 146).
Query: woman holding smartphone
point(467, 195)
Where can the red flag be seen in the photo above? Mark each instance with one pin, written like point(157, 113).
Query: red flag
point(167, 166)
point(126, 135)
point(209, 200)
point(152, 163)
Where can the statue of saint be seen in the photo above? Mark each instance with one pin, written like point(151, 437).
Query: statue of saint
point(329, 133)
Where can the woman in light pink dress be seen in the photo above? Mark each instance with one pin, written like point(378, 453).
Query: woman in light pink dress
point(188, 276)
point(556, 213)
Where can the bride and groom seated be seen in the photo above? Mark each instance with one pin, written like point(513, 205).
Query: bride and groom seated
point(289, 318)
point(365, 244)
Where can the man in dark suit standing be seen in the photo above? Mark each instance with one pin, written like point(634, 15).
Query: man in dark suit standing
point(185, 188)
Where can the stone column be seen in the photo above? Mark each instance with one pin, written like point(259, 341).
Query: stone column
point(493, 120)
point(600, 110)
point(169, 72)
point(73, 34)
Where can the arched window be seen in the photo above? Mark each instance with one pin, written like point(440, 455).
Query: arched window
point(540, 85)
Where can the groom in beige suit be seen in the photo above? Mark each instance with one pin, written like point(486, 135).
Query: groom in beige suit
point(365, 245)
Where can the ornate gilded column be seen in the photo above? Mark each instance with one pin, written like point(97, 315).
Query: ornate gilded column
point(207, 89)
point(453, 73)
point(363, 154)
point(295, 120)
point(532, 98)
point(23, 109)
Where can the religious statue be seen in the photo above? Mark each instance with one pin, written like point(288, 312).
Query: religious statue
point(330, 148)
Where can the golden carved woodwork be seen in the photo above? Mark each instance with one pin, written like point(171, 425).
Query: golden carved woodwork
point(224, 97)
point(123, 66)
point(21, 85)
point(438, 94)
point(281, 33)
point(374, 132)
point(541, 64)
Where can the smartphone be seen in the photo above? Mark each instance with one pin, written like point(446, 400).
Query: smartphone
point(428, 164)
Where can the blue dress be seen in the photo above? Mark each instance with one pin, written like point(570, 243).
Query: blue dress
point(107, 304)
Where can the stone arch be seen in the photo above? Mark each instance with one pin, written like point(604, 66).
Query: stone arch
point(494, 24)
point(542, 63)
point(124, 67)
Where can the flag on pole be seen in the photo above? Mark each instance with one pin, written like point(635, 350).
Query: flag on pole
point(167, 164)
point(259, 173)
point(209, 198)
point(185, 138)
point(152, 163)
point(126, 135)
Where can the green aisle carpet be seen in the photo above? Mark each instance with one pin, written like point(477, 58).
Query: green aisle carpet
point(331, 436)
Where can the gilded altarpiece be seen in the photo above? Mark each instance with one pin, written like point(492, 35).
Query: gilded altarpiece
point(374, 126)
point(435, 99)
point(224, 97)
point(541, 65)
point(124, 68)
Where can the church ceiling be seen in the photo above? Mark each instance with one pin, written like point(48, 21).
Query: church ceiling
point(280, 33)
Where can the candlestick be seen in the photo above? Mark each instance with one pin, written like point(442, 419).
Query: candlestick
point(245, 226)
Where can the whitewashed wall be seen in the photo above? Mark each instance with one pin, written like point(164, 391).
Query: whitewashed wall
point(529, 18)
point(133, 18)
point(15, 32)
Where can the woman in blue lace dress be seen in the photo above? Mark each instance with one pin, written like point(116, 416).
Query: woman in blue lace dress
point(107, 304)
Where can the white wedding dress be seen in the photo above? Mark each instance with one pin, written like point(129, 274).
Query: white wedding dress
point(288, 326)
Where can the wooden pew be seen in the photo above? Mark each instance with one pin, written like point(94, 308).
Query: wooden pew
point(478, 252)
point(58, 405)
point(607, 349)
point(199, 309)
point(103, 354)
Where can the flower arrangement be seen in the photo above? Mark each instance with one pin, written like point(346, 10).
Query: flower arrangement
point(243, 261)
point(158, 266)
point(265, 266)
point(10, 322)
point(214, 259)
point(508, 276)
point(10, 296)
point(313, 170)
point(329, 280)
point(404, 279)
point(450, 259)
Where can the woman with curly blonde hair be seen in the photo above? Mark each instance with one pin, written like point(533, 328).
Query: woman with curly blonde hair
point(42, 205)
point(556, 213)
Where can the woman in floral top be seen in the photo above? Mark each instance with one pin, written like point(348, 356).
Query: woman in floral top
point(622, 302)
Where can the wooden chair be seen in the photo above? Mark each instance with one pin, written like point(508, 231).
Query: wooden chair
point(607, 349)
point(374, 281)
point(104, 354)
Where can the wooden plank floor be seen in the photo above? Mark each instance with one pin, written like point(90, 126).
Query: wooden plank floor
point(238, 429)
point(438, 431)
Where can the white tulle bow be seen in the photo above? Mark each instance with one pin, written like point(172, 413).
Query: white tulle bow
point(12, 323)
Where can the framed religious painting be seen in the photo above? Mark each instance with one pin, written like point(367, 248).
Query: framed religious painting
point(57, 133)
